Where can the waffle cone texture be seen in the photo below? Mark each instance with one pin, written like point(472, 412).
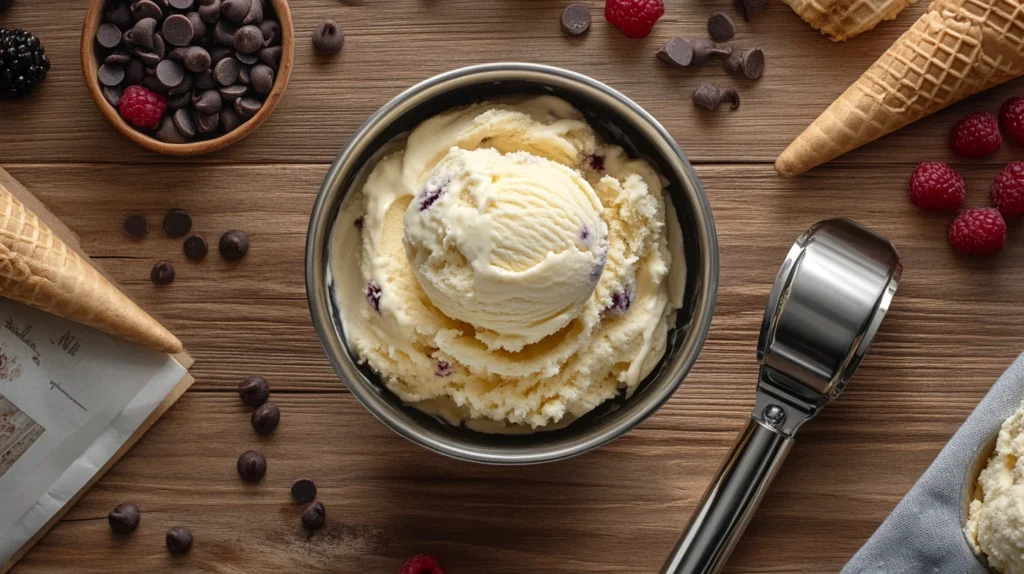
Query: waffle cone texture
point(956, 49)
point(37, 268)
point(841, 20)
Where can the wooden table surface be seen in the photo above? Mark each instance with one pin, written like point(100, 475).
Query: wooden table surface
point(954, 326)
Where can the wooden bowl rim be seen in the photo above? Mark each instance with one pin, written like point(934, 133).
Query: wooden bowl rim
point(90, 67)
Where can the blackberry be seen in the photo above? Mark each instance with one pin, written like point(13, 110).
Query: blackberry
point(23, 63)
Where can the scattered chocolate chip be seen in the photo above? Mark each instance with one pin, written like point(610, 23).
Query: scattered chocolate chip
point(108, 35)
point(266, 418)
point(113, 95)
point(314, 516)
point(177, 223)
point(709, 96)
point(136, 226)
point(252, 466)
point(124, 518)
point(328, 37)
point(180, 4)
point(748, 63)
point(207, 123)
point(170, 73)
point(168, 133)
point(210, 11)
point(271, 32)
point(230, 119)
point(226, 71)
point(179, 540)
point(234, 245)
point(575, 19)
point(111, 75)
point(303, 491)
point(187, 127)
point(195, 246)
point(120, 15)
point(751, 8)
point(178, 30)
point(262, 77)
point(271, 56)
point(247, 107)
point(254, 390)
point(163, 273)
point(207, 102)
point(720, 27)
point(146, 9)
point(677, 51)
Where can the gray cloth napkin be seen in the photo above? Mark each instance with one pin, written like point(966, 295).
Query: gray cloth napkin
point(923, 534)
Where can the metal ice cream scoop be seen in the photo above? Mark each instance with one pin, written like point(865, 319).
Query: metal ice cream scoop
point(825, 307)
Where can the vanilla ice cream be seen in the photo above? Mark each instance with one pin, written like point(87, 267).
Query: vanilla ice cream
point(995, 524)
point(514, 271)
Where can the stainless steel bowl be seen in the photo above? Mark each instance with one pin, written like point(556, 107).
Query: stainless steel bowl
point(618, 119)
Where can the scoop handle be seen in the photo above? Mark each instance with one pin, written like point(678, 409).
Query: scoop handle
point(730, 501)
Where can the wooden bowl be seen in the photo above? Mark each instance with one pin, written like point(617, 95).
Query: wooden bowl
point(91, 64)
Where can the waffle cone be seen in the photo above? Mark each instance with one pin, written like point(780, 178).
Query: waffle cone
point(841, 20)
point(956, 49)
point(37, 268)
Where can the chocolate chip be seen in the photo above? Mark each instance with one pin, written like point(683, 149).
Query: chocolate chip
point(119, 15)
point(224, 33)
point(210, 11)
point(159, 47)
point(178, 101)
point(180, 4)
point(113, 95)
point(195, 246)
point(118, 58)
point(248, 39)
point(255, 14)
point(184, 86)
point(710, 96)
point(205, 81)
point(247, 107)
point(136, 226)
point(235, 10)
point(124, 518)
point(218, 53)
point(183, 121)
point(270, 56)
point(234, 245)
point(199, 28)
point(152, 84)
point(328, 38)
point(678, 52)
point(162, 273)
point(271, 32)
point(108, 35)
point(128, 37)
point(226, 71)
point(143, 33)
point(168, 133)
point(751, 8)
point(247, 58)
point(177, 223)
point(243, 76)
point(207, 102)
point(254, 390)
point(207, 123)
point(177, 54)
point(170, 73)
point(111, 75)
point(230, 119)
point(266, 418)
point(575, 19)
point(720, 27)
point(262, 77)
point(197, 59)
point(146, 9)
point(178, 30)
point(303, 490)
point(314, 516)
point(748, 63)
point(252, 466)
point(147, 57)
point(134, 72)
point(179, 540)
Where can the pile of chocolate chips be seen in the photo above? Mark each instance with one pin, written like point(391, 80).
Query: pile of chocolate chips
point(215, 61)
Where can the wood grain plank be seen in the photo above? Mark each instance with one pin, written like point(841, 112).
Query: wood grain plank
point(390, 46)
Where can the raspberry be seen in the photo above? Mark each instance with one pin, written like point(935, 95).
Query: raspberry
point(141, 107)
point(936, 186)
point(1008, 189)
point(634, 17)
point(979, 231)
point(422, 564)
point(975, 135)
point(1011, 115)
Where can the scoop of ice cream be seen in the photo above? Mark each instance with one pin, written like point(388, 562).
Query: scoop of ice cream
point(510, 243)
point(995, 524)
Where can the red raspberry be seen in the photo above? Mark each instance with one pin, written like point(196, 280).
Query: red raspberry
point(141, 107)
point(975, 135)
point(634, 17)
point(1008, 189)
point(422, 564)
point(936, 186)
point(979, 231)
point(1011, 115)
